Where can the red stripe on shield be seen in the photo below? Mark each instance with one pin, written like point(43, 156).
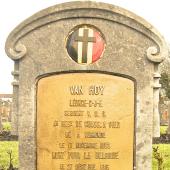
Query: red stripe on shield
point(98, 47)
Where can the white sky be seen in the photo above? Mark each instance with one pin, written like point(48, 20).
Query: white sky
point(13, 12)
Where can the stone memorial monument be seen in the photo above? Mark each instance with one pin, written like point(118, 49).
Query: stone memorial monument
point(86, 88)
point(169, 118)
point(0, 123)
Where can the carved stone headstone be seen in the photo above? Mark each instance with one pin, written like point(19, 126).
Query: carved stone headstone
point(86, 88)
point(164, 118)
point(0, 122)
point(169, 118)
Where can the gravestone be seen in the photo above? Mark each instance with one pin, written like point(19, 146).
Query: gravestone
point(164, 118)
point(86, 88)
point(0, 122)
point(1, 103)
point(168, 117)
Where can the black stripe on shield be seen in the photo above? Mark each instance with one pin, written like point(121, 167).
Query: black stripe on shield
point(72, 46)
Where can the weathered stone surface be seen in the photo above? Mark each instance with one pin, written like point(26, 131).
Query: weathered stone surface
point(133, 48)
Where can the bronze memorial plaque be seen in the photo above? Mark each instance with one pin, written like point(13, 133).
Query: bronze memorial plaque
point(85, 121)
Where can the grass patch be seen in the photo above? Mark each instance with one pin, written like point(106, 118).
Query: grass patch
point(6, 126)
point(164, 149)
point(4, 156)
point(163, 129)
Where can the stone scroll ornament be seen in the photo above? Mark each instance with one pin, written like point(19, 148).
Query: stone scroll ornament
point(85, 44)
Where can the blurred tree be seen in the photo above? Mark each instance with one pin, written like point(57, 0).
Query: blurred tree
point(165, 82)
point(165, 79)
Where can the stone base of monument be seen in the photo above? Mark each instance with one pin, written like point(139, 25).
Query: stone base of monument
point(164, 138)
point(164, 123)
point(7, 136)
